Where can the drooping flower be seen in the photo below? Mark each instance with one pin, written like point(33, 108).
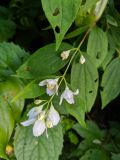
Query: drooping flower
point(52, 86)
point(53, 117)
point(42, 120)
point(65, 54)
point(68, 95)
point(32, 114)
point(82, 59)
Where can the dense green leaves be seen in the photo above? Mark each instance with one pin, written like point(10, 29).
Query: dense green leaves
point(91, 132)
point(115, 156)
point(97, 46)
point(110, 84)
point(8, 90)
point(6, 125)
point(59, 17)
point(28, 147)
point(43, 62)
point(92, 154)
point(11, 57)
point(85, 78)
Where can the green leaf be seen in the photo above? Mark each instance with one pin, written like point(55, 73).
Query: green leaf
point(11, 57)
point(90, 132)
point(8, 90)
point(32, 90)
point(6, 125)
point(97, 46)
point(76, 32)
point(92, 154)
point(111, 20)
point(7, 29)
point(85, 78)
point(77, 110)
point(111, 82)
point(43, 62)
point(59, 17)
point(115, 156)
point(115, 32)
point(28, 147)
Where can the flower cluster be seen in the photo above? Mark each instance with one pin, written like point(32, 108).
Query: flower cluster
point(42, 119)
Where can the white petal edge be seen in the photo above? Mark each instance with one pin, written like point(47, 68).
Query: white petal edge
point(43, 83)
point(53, 116)
point(39, 128)
point(28, 122)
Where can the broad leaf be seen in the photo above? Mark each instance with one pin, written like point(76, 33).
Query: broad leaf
point(59, 17)
point(85, 78)
point(32, 90)
point(111, 82)
point(11, 57)
point(97, 46)
point(8, 90)
point(7, 29)
point(43, 62)
point(28, 147)
point(77, 110)
point(92, 154)
point(6, 125)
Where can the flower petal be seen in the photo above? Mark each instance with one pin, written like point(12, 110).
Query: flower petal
point(76, 92)
point(50, 92)
point(35, 111)
point(53, 116)
point(28, 122)
point(39, 128)
point(43, 83)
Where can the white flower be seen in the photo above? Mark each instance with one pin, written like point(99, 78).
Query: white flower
point(65, 54)
point(32, 114)
point(53, 117)
point(68, 95)
point(39, 126)
point(42, 120)
point(82, 59)
point(52, 86)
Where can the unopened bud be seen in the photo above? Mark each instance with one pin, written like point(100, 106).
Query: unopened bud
point(65, 54)
point(82, 59)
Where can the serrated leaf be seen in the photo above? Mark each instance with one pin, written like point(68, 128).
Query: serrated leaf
point(85, 78)
point(8, 90)
point(45, 61)
point(111, 82)
point(28, 147)
point(59, 17)
point(92, 154)
point(7, 29)
point(6, 125)
point(97, 46)
point(11, 57)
